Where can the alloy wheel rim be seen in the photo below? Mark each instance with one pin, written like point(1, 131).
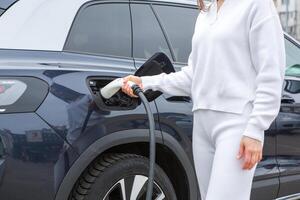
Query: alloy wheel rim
point(133, 188)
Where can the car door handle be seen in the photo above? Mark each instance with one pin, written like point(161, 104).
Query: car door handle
point(287, 99)
point(178, 98)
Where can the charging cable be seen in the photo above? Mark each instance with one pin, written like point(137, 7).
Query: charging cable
point(108, 91)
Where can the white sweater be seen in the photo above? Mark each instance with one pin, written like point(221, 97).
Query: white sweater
point(238, 55)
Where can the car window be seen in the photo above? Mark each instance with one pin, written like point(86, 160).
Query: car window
point(292, 59)
point(4, 4)
point(179, 24)
point(101, 29)
point(148, 37)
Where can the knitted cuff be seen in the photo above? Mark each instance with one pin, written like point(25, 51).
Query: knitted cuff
point(254, 132)
point(146, 82)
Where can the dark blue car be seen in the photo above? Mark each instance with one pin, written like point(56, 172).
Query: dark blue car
point(61, 141)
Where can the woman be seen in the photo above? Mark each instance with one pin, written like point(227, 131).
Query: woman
point(234, 75)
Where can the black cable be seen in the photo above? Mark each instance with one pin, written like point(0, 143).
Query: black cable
point(139, 92)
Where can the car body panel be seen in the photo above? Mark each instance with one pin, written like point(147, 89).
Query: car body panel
point(81, 130)
point(66, 107)
point(32, 150)
point(288, 127)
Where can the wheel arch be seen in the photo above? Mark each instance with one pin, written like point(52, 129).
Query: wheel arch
point(118, 141)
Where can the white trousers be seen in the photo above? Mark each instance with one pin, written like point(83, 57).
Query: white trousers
point(216, 140)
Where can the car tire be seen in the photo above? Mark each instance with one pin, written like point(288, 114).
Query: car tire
point(113, 176)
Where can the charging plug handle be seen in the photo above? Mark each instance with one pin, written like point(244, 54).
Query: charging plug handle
point(136, 89)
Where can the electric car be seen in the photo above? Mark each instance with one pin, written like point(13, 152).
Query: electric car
point(58, 142)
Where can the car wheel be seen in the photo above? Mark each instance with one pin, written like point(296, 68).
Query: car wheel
point(120, 177)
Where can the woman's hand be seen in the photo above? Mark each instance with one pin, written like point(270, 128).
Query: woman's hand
point(251, 150)
point(127, 89)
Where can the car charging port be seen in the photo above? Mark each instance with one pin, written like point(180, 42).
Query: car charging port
point(119, 101)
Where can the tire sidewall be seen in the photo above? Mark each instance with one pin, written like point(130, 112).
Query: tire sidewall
point(126, 168)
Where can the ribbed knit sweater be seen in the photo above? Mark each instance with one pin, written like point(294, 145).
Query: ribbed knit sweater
point(237, 55)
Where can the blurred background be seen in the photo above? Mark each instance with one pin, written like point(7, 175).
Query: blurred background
point(289, 12)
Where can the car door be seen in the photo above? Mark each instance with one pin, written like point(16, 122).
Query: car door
point(288, 125)
point(175, 45)
point(149, 37)
point(178, 24)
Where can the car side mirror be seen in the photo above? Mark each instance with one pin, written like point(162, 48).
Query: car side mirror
point(156, 64)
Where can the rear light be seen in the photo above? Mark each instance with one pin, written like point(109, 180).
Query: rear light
point(21, 94)
point(10, 91)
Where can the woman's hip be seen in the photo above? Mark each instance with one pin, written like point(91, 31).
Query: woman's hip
point(219, 125)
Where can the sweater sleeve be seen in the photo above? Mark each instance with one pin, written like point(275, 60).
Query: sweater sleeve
point(175, 83)
point(267, 49)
